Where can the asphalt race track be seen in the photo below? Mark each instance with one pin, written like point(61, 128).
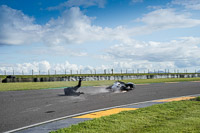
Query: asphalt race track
point(23, 108)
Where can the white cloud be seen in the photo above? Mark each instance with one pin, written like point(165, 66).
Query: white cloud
point(166, 19)
point(26, 68)
point(17, 28)
point(73, 27)
point(70, 28)
point(35, 66)
point(78, 3)
point(182, 52)
point(176, 54)
point(43, 66)
point(190, 4)
point(141, 66)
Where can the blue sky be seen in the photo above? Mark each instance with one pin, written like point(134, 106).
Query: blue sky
point(99, 34)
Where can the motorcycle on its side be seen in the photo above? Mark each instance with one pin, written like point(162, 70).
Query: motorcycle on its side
point(121, 86)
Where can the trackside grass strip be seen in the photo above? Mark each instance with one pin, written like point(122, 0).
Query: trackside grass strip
point(172, 117)
point(46, 85)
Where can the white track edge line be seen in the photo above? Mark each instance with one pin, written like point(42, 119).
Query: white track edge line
point(70, 116)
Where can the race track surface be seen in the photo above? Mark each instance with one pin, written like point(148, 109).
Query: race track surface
point(23, 108)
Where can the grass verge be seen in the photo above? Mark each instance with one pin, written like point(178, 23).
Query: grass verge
point(172, 117)
point(45, 85)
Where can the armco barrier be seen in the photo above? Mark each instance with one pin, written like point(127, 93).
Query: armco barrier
point(96, 78)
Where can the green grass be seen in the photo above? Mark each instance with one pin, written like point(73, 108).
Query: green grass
point(45, 85)
point(172, 117)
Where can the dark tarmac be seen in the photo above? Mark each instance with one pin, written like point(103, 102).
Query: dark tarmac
point(23, 108)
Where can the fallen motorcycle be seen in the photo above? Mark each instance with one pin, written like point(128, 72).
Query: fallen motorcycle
point(121, 86)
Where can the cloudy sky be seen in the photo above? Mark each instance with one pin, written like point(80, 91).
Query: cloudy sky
point(65, 35)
